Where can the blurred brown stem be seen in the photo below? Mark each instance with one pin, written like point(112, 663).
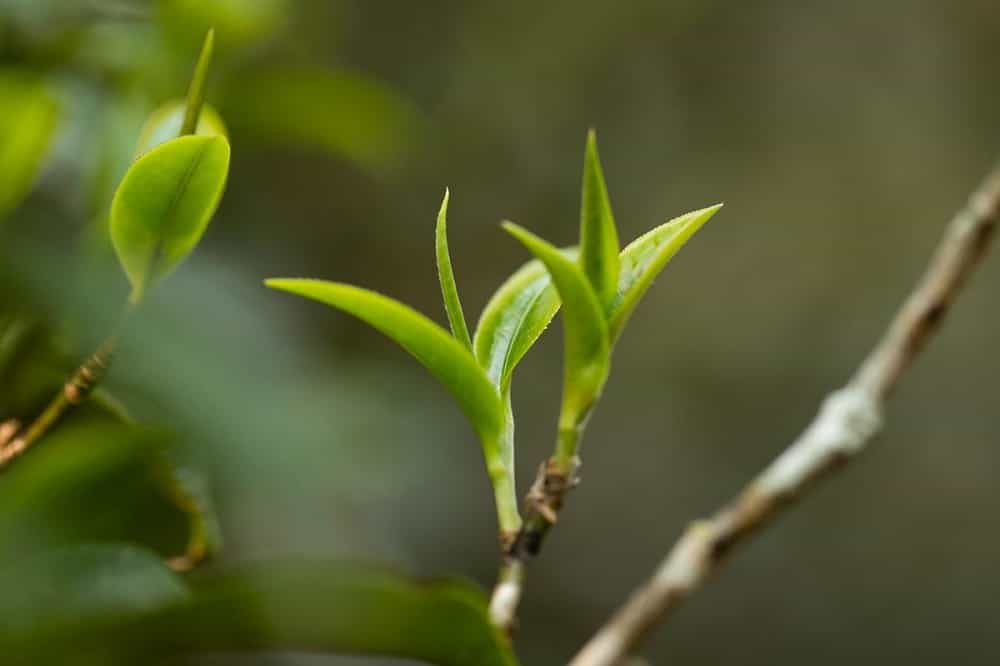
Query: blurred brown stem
point(848, 420)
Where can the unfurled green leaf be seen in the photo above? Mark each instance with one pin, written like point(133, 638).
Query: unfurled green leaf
point(586, 341)
point(446, 276)
point(163, 205)
point(598, 236)
point(516, 315)
point(165, 124)
point(645, 257)
point(446, 358)
point(28, 115)
point(196, 92)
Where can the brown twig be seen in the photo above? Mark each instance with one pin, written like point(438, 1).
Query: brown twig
point(848, 420)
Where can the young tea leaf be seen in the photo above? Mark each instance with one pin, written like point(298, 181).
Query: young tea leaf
point(446, 276)
point(164, 204)
point(165, 123)
point(512, 321)
point(28, 116)
point(586, 344)
point(645, 257)
point(451, 363)
point(598, 236)
point(196, 92)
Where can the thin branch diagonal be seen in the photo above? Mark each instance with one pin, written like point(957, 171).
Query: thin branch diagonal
point(849, 418)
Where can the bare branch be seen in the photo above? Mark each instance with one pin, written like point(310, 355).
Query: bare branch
point(847, 421)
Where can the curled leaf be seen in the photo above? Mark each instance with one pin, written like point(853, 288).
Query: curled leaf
point(446, 276)
point(598, 236)
point(163, 205)
point(513, 319)
point(196, 92)
point(586, 344)
point(644, 258)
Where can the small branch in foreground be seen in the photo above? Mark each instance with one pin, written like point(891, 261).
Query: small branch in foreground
point(848, 420)
point(74, 392)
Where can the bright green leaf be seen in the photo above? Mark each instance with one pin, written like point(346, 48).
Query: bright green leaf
point(450, 362)
point(165, 123)
point(164, 204)
point(516, 315)
point(598, 236)
point(196, 92)
point(645, 257)
point(446, 276)
point(28, 116)
point(586, 342)
point(445, 358)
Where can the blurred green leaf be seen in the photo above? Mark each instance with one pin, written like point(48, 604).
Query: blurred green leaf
point(164, 204)
point(446, 276)
point(88, 480)
point(586, 344)
point(513, 319)
point(345, 113)
point(165, 124)
point(196, 91)
point(446, 358)
point(74, 589)
point(644, 258)
point(239, 23)
point(339, 607)
point(598, 236)
point(28, 117)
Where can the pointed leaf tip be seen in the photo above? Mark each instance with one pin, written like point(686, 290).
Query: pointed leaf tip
point(645, 257)
point(446, 278)
point(598, 234)
point(196, 91)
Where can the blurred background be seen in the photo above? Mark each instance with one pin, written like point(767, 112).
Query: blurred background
point(841, 137)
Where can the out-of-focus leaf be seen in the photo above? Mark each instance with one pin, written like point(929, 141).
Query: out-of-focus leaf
point(446, 358)
point(75, 589)
point(28, 117)
point(196, 91)
point(165, 123)
point(239, 23)
point(164, 204)
point(644, 258)
point(344, 113)
point(513, 319)
point(586, 344)
point(88, 480)
point(446, 276)
point(338, 607)
point(598, 236)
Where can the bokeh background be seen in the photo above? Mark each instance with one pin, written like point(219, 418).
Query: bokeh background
point(840, 136)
